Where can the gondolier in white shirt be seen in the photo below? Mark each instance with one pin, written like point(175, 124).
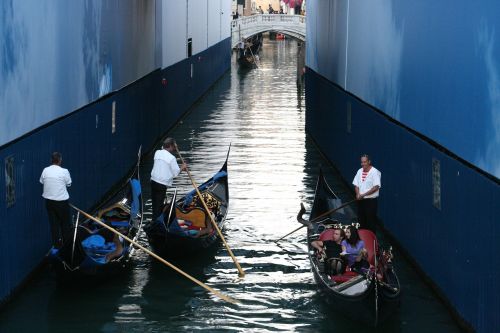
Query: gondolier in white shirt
point(55, 181)
point(367, 183)
point(165, 169)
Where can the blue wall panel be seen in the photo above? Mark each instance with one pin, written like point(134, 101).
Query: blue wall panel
point(455, 245)
point(181, 89)
point(96, 157)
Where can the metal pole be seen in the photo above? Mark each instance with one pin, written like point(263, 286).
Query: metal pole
point(74, 237)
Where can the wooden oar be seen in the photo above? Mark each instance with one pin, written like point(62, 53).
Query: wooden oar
point(317, 218)
point(178, 270)
point(240, 270)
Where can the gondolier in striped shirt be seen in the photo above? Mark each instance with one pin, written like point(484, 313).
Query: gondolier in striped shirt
point(367, 183)
point(165, 169)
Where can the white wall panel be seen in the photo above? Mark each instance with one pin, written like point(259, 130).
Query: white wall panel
point(327, 38)
point(174, 32)
point(57, 56)
point(311, 50)
point(214, 22)
point(225, 19)
point(197, 27)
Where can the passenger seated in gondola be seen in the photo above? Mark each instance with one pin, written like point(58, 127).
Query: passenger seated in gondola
point(353, 248)
point(331, 249)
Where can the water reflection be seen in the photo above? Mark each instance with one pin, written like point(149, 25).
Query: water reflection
point(273, 167)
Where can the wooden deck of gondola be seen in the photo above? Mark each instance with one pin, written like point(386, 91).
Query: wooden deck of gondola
point(343, 286)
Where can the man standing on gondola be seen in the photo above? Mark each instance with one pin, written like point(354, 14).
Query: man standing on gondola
point(55, 181)
point(165, 169)
point(367, 183)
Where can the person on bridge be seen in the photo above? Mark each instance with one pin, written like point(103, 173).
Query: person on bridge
point(270, 10)
point(261, 11)
point(298, 4)
point(367, 183)
point(165, 168)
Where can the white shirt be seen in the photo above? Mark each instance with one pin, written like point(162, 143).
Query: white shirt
point(165, 168)
point(371, 179)
point(55, 180)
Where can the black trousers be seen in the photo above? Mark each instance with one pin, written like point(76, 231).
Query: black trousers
point(158, 193)
point(60, 222)
point(367, 213)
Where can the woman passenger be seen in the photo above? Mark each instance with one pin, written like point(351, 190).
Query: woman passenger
point(354, 250)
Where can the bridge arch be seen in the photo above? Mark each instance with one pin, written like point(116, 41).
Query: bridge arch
point(245, 27)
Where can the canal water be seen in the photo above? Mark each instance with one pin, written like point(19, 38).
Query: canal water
point(273, 167)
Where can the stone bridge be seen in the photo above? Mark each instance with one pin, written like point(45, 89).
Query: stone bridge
point(290, 25)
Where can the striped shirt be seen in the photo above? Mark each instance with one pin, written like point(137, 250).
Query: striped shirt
point(365, 181)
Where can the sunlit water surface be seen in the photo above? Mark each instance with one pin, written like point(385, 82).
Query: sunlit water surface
point(273, 167)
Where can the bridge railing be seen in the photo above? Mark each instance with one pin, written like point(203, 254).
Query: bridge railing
point(268, 18)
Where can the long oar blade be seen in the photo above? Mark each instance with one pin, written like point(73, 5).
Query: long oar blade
point(154, 255)
point(240, 270)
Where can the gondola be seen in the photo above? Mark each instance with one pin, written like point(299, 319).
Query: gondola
point(371, 296)
point(184, 227)
point(94, 250)
point(248, 54)
point(247, 61)
point(255, 43)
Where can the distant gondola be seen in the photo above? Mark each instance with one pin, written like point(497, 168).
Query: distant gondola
point(255, 43)
point(248, 52)
point(91, 247)
point(184, 228)
point(370, 297)
point(247, 61)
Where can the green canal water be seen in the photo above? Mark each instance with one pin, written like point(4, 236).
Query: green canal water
point(273, 167)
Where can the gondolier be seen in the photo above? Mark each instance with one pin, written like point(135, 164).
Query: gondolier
point(165, 169)
point(55, 181)
point(367, 183)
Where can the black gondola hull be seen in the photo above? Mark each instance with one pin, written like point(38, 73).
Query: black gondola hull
point(170, 244)
point(72, 261)
point(377, 302)
point(246, 62)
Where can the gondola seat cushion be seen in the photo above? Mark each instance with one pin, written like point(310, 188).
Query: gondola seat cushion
point(136, 192)
point(344, 277)
point(97, 245)
point(183, 229)
point(94, 241)
point(120, 224)
point(326, 235)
